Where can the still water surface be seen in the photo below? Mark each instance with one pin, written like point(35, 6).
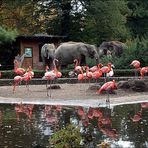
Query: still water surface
point(28, 126)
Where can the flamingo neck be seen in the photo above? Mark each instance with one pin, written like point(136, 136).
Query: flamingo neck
point(81, 71)
point(54, 65)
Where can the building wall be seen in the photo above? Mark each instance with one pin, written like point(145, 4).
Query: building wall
point(34, 60)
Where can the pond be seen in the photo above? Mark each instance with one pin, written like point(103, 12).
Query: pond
point(30, 126)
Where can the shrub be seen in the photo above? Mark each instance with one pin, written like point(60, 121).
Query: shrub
point(67, 137)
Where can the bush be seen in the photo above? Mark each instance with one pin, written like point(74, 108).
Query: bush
point(67, 137)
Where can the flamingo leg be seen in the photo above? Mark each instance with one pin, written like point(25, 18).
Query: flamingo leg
point(47, 87)
point(27, 85)
point(108, 99)
point(14, 86)
point(50, 88)
point(136, 73)
point(104, 77)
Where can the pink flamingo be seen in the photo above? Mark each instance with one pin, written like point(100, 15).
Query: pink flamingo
point(77, 68)
point(88, 75)
point(58, 73)
point(17, 80)
point(111, 73)
point(51, 75)
point(106, 69)
point(28, 76)
point(108, 86)
point(17, 70)
point(81, 75)
point(136, 65)
point(93, 69)
point(143, 71)
point(98, 73)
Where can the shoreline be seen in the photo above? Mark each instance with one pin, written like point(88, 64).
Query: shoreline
point(69, 94)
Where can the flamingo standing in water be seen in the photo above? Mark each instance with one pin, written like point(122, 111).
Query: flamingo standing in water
point(108, 86)
point(136, 65)
point(17, 70)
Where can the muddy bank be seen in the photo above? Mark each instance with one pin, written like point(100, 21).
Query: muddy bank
point(76, 93)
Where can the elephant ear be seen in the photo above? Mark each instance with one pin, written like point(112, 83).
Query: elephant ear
point(46, 51)
point(90, 49)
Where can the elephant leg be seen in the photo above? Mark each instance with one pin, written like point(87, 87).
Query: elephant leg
point(50, 62)
point(83, 60)
point(44, 61)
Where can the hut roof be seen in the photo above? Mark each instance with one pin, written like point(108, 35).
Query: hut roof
point(40, 37)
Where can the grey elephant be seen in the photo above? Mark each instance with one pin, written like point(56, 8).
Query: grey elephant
point(67, 52)
point(112, 48)
point(47, 54)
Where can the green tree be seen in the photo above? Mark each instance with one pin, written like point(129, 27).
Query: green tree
point(106, 20)
point(138, 20)
point(7, 36)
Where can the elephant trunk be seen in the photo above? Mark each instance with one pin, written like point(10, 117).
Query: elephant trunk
point(101, 52)
point(96, 56)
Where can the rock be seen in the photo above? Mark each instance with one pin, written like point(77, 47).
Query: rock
point(94, 87)
point(54, 87)
point(123, 85)
point(133, 85)
point(137, 85)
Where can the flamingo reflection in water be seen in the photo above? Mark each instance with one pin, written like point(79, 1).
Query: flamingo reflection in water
point(144, 105)
point(51, 113)
point(137, 117)
point(24, 108)
point(104, 123)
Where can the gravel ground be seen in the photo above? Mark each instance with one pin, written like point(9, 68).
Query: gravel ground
point(78, 93)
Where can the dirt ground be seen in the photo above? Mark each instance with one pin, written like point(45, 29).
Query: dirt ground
point(70, 93)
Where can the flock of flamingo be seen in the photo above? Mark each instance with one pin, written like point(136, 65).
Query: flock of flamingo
point(82, 72)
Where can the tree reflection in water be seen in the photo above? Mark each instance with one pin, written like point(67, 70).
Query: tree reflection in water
point(25, 125)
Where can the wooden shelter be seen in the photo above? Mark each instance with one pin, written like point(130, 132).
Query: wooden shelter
point(31, 47)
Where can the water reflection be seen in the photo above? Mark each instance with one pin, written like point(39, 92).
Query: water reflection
point(25, 125)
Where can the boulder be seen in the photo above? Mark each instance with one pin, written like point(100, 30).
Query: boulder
point(137, 85)
point(94, 87)
point(123, 85)
point(54, 87)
